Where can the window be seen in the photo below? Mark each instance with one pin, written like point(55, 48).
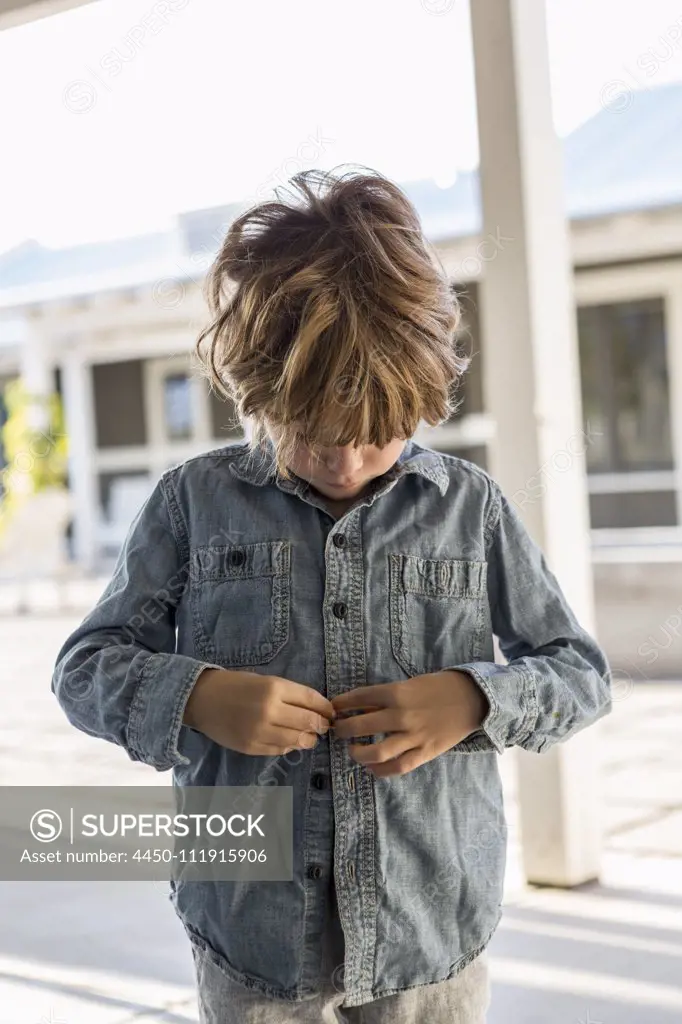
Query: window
point(118, 402)
point(177, 407)
point(626, 411)
point(625, 386)
point(112, 490)
point(623, 510)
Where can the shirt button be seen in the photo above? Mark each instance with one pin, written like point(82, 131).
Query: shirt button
point(236, 557)
point(314, 871)
point(340, 609)
point(319, 780)
point(339, 540)
point(350, 870)
point(350, 781)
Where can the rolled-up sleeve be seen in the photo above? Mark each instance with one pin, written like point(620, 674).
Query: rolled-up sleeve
point(557, 679)
point(117, 676)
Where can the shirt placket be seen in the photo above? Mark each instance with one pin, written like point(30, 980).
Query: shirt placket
point(351, 787)
point(339, 825)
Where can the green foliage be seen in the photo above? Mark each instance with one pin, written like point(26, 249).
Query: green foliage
point(35, 458)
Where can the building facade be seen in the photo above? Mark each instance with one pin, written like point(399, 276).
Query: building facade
point(110, 327)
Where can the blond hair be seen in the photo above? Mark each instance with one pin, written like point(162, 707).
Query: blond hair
point(332, 311)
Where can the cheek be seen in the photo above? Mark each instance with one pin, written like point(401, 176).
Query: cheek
point(388, 457)
point(304, 464)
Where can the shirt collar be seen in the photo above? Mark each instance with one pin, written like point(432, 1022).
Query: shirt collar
point(258, 467)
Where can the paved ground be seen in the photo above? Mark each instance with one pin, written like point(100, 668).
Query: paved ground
point(607, 953)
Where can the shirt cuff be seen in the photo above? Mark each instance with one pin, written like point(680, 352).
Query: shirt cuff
point(158, 708)
point(513, 705)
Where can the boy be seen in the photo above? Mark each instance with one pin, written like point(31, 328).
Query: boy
point(332, 565)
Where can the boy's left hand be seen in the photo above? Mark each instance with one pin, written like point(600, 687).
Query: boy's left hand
point(425, 716)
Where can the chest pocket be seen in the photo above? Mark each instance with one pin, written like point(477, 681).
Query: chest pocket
point(240, 596)
point(437, 612)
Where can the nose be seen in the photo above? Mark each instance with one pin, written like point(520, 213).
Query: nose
point(343, 461)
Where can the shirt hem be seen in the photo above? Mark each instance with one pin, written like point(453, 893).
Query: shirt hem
point(369, 996)
point(297, 994)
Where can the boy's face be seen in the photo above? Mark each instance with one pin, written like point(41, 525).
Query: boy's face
point(343, 473)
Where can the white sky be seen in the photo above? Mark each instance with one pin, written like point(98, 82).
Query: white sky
point(112, 120)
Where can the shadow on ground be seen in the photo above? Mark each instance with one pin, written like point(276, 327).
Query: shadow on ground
point(614, 957)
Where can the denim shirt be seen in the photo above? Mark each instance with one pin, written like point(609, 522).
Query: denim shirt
point(414, 578)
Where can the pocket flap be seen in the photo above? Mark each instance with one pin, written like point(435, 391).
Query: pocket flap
point(441, 577)
point(240, 561)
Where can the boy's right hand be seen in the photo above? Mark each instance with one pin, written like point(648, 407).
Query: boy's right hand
point(257, 714)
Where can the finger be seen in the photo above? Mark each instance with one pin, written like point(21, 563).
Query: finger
point(366, 725)
point(387, 750)
point(266, 750)
point(290, 717)
point(381, 695)
point(287, 739)
point(301, 695)
point(344, 713)
point(400, 765)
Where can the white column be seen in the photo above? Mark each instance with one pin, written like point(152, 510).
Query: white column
point(36, 375)
point(673, 324)
point(80, 426)
point(532, 389)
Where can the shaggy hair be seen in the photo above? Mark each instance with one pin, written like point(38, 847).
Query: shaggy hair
point(332, 319)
